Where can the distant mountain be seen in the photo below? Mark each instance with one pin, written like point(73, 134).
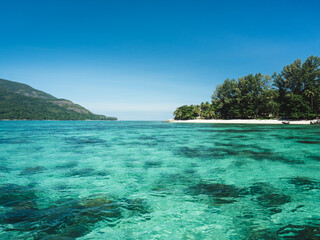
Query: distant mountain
point(20, 101)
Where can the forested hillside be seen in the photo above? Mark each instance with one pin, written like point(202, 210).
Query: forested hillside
point(20, 101)
point(294, 93)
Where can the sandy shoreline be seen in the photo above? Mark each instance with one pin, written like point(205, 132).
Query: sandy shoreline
point(243, 121)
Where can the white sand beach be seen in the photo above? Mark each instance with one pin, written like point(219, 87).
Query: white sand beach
point(244, 121)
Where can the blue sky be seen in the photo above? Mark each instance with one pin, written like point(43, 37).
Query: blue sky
point(139, 60)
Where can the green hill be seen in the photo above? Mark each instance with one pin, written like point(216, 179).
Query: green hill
point(22, 102)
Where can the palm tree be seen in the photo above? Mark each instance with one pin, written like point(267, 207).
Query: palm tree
point(310, 95)
point(178, 114)
point(197, 110)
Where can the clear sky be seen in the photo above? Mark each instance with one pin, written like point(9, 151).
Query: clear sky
point(139, 60)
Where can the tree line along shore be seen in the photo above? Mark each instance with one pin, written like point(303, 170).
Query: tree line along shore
point(294, 94)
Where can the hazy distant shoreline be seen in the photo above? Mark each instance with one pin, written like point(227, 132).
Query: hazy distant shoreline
point(243, 121)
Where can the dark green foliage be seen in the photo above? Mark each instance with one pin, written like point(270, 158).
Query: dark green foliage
point(293, 94)
point(204, 111)
point(21, 102)
point(207, 111)
point(252, 96)
point(187, 112)
point(224, 99)
point(24, 89)
point(299, 89)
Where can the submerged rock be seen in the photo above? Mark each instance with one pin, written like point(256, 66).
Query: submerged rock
point(188, 152)
point(68, 219)
point(220, 193)
point(152, 164)
point(203, 153)
point(32, 170)
point(4, 168)
point(147, 138)
point(74, 219)
point(273, 200)
point(87, 172)
point(312, 157)
point(309, 142)
point(95, 202)
point(267, 196)
point(172, 180)
point(136, 206)
point(67, 165)
point(13, 195)
point(215, 189)
point(304, 183)
point(260, 188)
point(56, 237)
point(84, 140)
point(242, 130)
point(18, 215)
point(82, 172)
point(267, 155)
point(102, 173)
point(260, 234)
point(20, 201)
point(190, 171)
point(303, 232)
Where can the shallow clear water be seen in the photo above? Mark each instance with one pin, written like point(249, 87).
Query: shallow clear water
point(153, 180)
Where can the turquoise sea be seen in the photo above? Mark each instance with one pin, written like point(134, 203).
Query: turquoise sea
point(154, 180)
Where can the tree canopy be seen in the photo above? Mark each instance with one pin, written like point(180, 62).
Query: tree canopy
point(294, 93)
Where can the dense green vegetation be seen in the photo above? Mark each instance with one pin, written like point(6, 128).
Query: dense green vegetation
point(292, 94)
point(20, 101)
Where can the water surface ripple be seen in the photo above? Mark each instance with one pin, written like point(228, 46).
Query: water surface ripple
point(153, 180)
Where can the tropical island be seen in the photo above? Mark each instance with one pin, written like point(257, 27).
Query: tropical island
point(292, 94)
point(21, 102)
